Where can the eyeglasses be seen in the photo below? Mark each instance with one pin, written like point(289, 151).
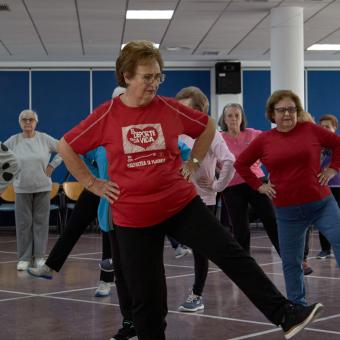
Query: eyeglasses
point(150, 78)
point(28, 120)
point(283, 110)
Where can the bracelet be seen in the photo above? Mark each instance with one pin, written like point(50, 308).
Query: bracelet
point(195, 161)
point(90, 182)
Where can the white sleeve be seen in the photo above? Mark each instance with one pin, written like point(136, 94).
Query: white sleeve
point(53, 147)
point(225, 161)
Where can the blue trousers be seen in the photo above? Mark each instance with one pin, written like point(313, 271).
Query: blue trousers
point(293, 222)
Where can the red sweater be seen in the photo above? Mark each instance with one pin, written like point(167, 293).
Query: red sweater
point(293, 161)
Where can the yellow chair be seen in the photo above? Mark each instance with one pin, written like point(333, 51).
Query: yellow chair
point(56, 204)
point(72, 191)
point(54, 190)
point(9, 195)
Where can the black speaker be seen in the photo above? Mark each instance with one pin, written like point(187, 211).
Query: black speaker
point(228, 77)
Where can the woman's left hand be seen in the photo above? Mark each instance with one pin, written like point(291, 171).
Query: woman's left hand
point(326, 175)
point(49, 170)
point(188, 169)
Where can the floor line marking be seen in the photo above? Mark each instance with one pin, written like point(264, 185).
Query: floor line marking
point(253, 335)
point(17, 298)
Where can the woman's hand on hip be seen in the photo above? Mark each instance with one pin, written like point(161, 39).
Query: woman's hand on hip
point(188, 169)
point(107, 189)
point(326, 175)
point(205, 182)
point(49, 170)
point(267, 189)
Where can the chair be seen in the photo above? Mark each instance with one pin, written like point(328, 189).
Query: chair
point(56, 205)
point(72, 191)
point(8, 197)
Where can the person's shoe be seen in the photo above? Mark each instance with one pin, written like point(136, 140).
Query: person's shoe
point(324, 254)
point(306, 269)
point(126, 332)
point(297, 317)
point(181, 251)
point(23, 265)
point(103, 289)
point(44, 272)
point(39, 262)
point(192, 304)
point(106, 265)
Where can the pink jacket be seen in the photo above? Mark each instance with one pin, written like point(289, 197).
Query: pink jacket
point(217, 156)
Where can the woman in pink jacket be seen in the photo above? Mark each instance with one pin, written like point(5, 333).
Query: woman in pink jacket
point(207, 186)
point(239, 195)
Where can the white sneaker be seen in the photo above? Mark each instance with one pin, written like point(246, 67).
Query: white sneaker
point(181, 251)
point(39, 262)
point(104, 289)
point(44, 271)
point(23, 265)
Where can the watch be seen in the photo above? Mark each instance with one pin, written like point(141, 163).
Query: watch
point(196, 161)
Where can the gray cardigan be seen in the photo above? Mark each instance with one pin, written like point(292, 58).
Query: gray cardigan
point(34, 156)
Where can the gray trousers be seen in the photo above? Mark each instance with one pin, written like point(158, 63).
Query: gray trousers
point(32, 212)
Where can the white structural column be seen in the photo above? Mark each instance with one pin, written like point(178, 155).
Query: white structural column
point(287, 50)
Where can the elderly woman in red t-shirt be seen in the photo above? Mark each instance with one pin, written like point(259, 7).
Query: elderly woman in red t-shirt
point(298, 185)
point(151, 196)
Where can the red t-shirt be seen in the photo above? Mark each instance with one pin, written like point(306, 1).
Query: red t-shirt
point(143, 155)
point(293, 161)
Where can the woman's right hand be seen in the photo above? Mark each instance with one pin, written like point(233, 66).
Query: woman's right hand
point(106, 189)
point(267, 189)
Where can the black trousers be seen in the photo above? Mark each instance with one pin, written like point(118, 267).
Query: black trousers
point(237, 198)
point(84, 212)
point(124, 298)
point(141, 255)
point(201, 265)
point(325, 245)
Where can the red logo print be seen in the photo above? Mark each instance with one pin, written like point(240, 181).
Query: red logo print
point(142, 137)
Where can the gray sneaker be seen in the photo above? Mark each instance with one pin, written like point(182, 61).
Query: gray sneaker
point(192, 304)
point(44, 272)
point(181, 251)
point(103, 289)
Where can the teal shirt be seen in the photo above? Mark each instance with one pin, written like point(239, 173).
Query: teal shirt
point(96, 161)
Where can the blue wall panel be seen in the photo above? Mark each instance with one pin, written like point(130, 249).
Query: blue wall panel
point(256, 90)
point(323, 93)
point(61, 99)
point(14, 97)
point(176, 80)
point(103, 84)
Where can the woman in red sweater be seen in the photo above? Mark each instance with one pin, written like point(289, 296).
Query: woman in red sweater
point(298, 185)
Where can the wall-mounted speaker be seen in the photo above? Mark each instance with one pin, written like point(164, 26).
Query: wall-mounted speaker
point(228, 77)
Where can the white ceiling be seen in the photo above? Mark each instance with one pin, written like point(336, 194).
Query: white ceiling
point(208, 30)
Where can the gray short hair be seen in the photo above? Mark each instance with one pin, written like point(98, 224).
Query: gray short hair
point(238, 106)
point(24, 112)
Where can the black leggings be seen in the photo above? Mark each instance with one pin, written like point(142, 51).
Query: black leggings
point(141, 255)
point(237, 198)
point(325, 245)
point(84, 212)
point(201, 265)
